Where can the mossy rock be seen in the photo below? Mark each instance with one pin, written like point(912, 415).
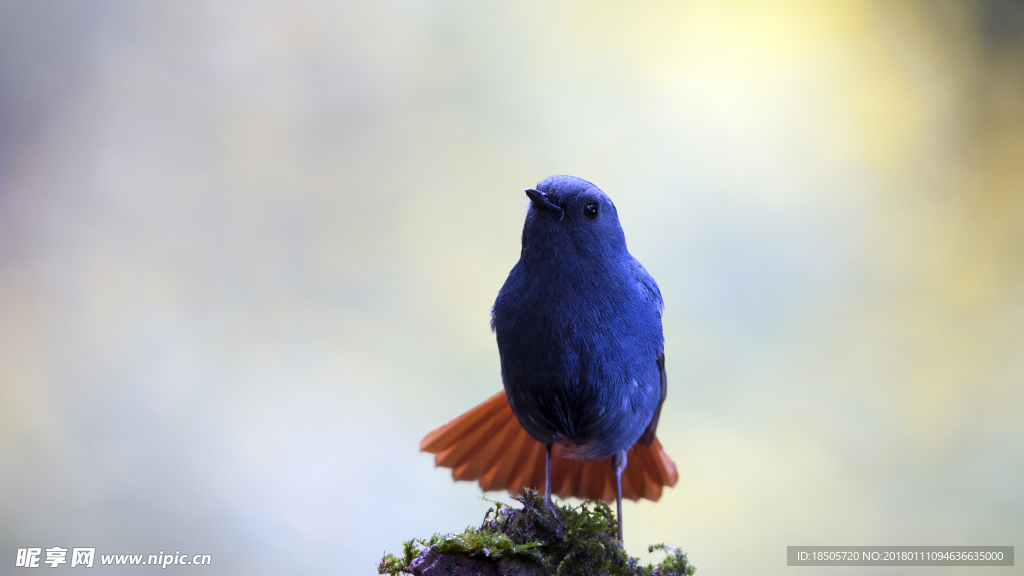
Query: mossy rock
point(532, 541)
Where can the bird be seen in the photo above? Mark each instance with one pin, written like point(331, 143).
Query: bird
point(579, 334)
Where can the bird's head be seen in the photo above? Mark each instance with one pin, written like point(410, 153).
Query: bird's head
point(569, 214)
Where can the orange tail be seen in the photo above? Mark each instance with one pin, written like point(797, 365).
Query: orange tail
point(488, 444)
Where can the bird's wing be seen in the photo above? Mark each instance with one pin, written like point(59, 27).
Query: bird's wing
point(488, 444)
point(648, 436)
point(648, 287)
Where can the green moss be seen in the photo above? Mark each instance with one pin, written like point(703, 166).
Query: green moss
point(581, 540)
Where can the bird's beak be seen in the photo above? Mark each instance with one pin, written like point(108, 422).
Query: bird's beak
point(540, 199)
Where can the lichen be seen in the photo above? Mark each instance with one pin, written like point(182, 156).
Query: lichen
point(580, 540)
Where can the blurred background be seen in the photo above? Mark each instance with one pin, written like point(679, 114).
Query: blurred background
point(248, 251)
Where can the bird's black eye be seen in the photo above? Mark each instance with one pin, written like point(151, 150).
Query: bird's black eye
point(590, 210)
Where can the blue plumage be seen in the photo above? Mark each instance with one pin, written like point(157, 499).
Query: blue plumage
point(578, 324)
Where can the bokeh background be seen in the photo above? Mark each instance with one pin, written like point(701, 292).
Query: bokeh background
point(248, 250)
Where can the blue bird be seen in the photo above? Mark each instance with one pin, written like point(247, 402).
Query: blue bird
point(578, 326)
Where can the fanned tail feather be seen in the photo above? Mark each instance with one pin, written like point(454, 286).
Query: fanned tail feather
point(487, 444)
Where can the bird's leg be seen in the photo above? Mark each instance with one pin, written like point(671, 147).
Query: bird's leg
point(547, 484)
point(619, 464)
point(547, 476)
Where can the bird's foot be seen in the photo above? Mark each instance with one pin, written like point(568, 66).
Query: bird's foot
point(550, 507)
point(556, 515)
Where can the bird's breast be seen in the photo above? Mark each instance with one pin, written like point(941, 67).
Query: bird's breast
point(578, 361)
